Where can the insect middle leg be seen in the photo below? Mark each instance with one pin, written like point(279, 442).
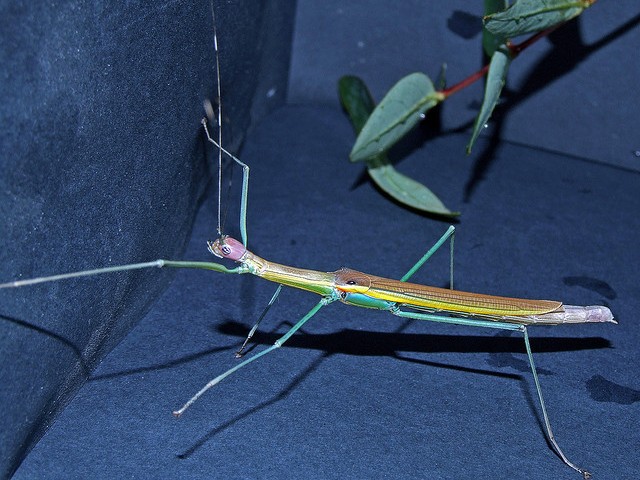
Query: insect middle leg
point(450, 233)
point(240, 351)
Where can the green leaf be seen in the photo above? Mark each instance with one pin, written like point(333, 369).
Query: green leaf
point(527, 16)
point(357, 101)
point(496, 76)
point(398, 112)
point(408, 191)
point(491, 42)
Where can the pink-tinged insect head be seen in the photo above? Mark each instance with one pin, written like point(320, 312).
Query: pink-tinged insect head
point(227, 247)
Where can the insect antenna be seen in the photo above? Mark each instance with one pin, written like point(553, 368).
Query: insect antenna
point(219, 102)
point(211, 114)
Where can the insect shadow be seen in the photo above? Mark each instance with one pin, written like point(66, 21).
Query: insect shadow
point(391, 344)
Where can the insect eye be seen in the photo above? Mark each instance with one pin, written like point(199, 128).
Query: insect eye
point(226, 249)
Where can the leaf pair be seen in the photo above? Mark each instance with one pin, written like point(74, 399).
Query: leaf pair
point(409, 100)
point(501, 23)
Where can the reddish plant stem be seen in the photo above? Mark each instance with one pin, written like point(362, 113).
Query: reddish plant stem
point(466, 82)
point(514, 51)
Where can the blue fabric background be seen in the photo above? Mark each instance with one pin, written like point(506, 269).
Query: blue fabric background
point(549, 212)
point(102, 161)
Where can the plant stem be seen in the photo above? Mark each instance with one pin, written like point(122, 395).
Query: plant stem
point(466, 82)
point(514, 50)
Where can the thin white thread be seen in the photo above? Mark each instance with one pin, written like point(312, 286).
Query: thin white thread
point(219, 100)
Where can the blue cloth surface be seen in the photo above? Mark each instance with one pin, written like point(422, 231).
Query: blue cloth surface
point(102, 160)
point(359, 393)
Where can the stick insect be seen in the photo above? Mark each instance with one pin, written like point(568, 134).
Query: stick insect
point(398, 297)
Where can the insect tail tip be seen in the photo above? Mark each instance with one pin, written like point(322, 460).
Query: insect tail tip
point(606, 315)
